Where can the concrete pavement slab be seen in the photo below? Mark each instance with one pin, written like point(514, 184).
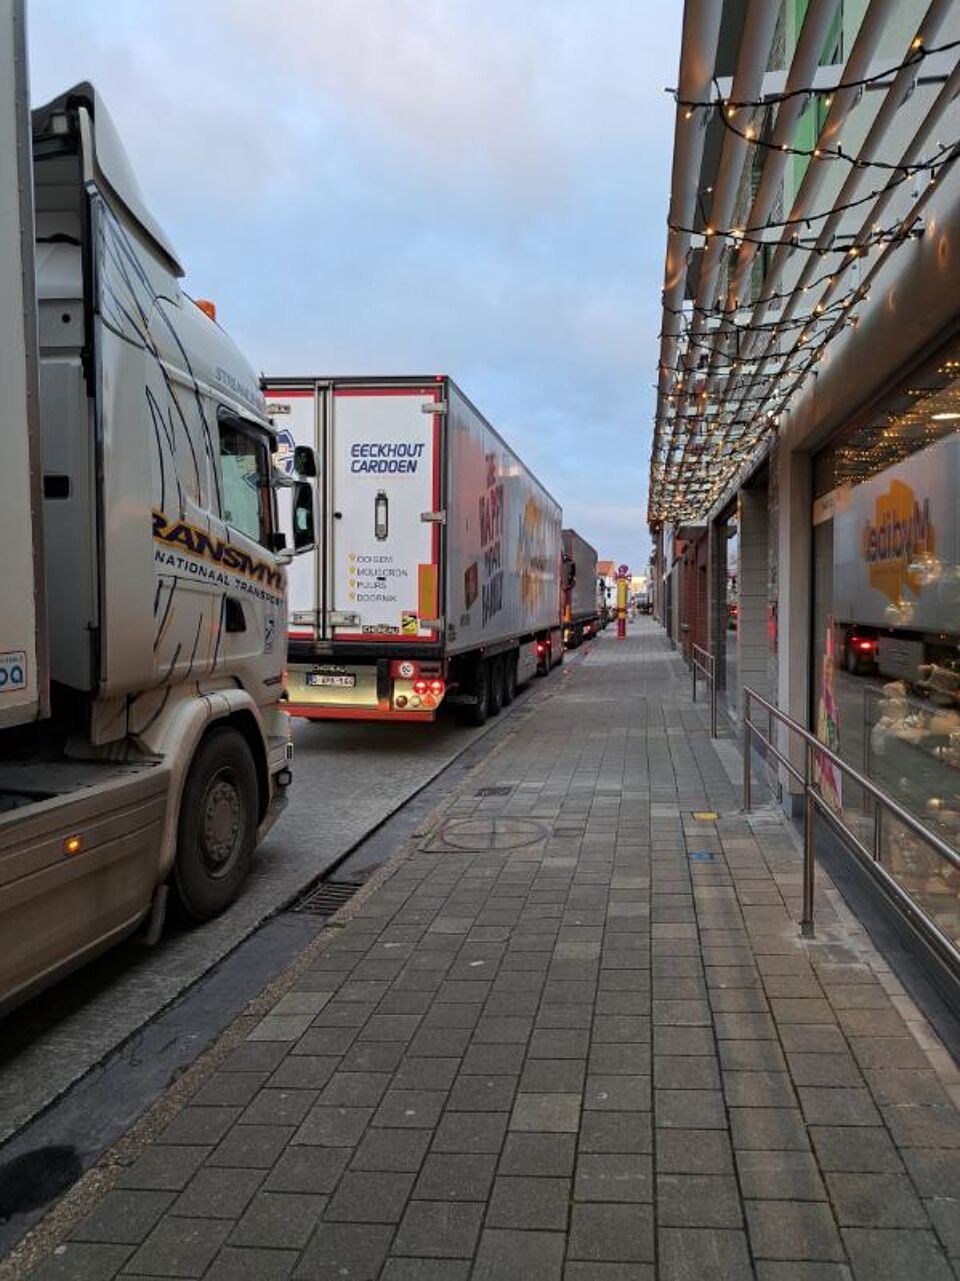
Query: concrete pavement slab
point(575, 1053)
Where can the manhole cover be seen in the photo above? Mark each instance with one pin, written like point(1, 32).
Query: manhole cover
point(327, 898)
point(478, 834)
point(499, 790)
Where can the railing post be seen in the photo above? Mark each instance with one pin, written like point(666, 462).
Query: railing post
point(713, 697)
point(809, 846)
point(877, 833)
point(693, 671)
point(867, 800)
point(746, 751)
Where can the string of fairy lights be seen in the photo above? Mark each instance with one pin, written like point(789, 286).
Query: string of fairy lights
point(737, 364)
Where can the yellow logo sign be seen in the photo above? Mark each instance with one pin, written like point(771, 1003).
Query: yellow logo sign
point(896, 542)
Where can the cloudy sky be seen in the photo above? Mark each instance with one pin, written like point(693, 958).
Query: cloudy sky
point(473, 187)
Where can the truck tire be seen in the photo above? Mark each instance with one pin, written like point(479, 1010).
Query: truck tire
point(497, 677)
point(218, 824)
point(509, 679)
point(476, 713)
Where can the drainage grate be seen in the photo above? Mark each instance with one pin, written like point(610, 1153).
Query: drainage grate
point(498, 790)
point(327, 898)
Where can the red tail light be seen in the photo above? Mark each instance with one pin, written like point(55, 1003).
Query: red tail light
point(865, 644)
point(420, 686)
point(436, 687)
point(541, 648)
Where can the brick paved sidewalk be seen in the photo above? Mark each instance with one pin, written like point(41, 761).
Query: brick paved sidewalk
point(573, 1035)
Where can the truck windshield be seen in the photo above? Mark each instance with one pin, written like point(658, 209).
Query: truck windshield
point(245, 469)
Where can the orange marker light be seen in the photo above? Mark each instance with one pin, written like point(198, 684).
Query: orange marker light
point(207, 307)
point(73, 845)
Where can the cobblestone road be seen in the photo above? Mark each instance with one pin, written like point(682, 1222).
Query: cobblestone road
point(572, 1034)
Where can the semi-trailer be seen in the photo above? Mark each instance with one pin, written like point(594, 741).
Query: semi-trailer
point(438, 578)
point(142, 570)
point(581, 606)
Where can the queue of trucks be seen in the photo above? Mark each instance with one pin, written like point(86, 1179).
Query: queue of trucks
point(159, 506)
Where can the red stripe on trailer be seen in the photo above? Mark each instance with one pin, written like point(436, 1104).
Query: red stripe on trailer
point(289, 392)
point(381, 636)
point(384, 391)
point(311, 712)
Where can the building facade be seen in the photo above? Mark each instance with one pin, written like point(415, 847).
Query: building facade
point(805, 480)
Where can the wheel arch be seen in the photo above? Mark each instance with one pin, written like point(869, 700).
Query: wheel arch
point(247, 725)
point(177, 737)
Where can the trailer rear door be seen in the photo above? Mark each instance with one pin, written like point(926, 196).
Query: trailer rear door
point(384, 497)
point(23, 675)
point(297, 414)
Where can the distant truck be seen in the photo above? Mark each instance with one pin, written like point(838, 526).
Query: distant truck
point(581, 598)
point(142, 579)
point(439, 579)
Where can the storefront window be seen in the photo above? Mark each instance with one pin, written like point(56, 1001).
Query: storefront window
point(886, 646)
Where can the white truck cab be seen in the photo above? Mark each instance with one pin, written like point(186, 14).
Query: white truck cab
point(143, 597)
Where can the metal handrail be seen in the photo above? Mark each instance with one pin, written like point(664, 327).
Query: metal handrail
point(814, 802)
point(703, 661)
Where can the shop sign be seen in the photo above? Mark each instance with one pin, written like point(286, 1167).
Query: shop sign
point(896, 558)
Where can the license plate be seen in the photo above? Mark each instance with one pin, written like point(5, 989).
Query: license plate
point(339, 682)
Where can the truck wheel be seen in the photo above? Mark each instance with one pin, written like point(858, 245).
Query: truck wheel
point(476, 713)
point(509, 679)
point(218, 824)
point(496, 686)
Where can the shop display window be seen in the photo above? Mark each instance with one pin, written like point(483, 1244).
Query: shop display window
point(885, 676)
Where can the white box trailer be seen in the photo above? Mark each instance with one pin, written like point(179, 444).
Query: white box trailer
point(581, 609)
point(439, 575)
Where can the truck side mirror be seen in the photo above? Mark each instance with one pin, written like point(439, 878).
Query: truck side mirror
point(304, 462)
point(304, 518)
